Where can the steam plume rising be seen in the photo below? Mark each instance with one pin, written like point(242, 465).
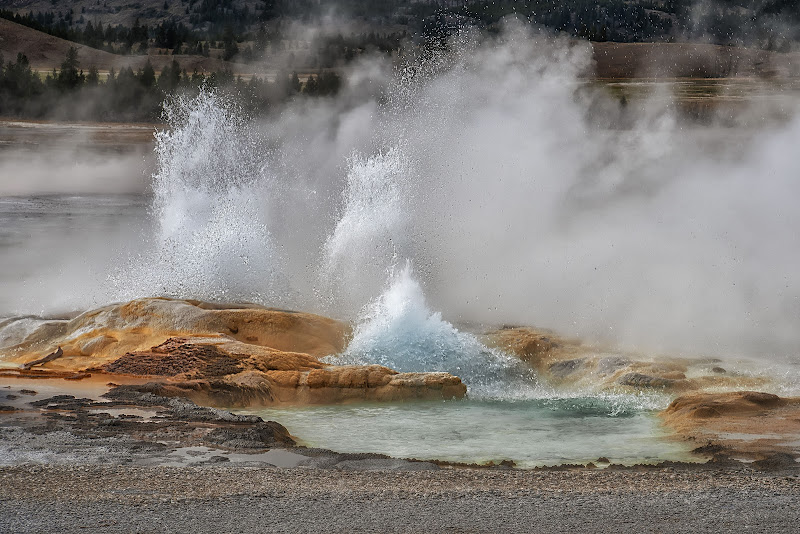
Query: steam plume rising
point(502, 175)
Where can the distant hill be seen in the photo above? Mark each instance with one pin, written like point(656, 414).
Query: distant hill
point(46, 52)
point(612, 60)
point(149, 12)
point(691, 60)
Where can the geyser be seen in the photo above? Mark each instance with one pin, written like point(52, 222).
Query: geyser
point(508, 180)
point(212, 239)
point(399, 331)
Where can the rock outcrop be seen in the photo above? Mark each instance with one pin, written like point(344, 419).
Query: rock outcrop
point(216, 355)
point(744, 424)
point(570, 363)
point(104, 334)
point(690, 408)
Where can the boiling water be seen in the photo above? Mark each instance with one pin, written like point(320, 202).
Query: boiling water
point(531, 433)
point(399, 331)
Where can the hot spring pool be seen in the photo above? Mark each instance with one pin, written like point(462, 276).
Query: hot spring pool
point(532, 433)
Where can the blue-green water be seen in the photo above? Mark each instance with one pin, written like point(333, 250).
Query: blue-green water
point(532, 433)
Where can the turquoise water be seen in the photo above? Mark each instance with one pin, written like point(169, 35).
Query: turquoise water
point(532, 433)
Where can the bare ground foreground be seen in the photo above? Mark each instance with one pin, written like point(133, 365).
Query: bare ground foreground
point(229, 499)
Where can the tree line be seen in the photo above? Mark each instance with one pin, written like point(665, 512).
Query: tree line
point(177, 38)
point(128, 95)
point(220, 24)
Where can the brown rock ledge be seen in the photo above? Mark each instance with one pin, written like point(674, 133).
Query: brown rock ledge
point(742, 424)
point(216, 355)
point(99, 336)
point(569, 362)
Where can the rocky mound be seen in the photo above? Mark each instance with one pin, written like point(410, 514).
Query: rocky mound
point(570, 363)
point(745, 424)
point(104, 334)
point(214, 354)
point(708, 405)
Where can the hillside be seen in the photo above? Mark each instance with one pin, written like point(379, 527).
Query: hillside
point(126, 12)
point(768, 24)
point(46, 52)
point(612, 60)
point(690, 60)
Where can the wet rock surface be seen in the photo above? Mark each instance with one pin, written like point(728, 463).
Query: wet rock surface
point(568, 362)
point(218, 355)
point(748, 425)
point(639, 380)
point(128, 426)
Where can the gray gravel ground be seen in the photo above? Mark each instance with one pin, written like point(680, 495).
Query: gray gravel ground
point(107, 498)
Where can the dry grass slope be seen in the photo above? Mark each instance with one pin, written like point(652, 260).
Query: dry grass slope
point(46, 52)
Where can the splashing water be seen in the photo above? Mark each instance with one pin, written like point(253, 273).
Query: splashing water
point(373, 227)
point(212, 241)
point(399, 331)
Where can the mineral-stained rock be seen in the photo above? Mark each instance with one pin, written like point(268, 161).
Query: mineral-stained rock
point(99, 336)
point(640, 380)
point(322, 386)
point(702, 405)
point(220, 355)
point(530, 345)
point(746, 424)
point(176, 356)
point(564, 368)
point(611, 364)
point(567, 362)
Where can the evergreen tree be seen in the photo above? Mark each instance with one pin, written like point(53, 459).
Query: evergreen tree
point(93, 78)
point(294, 83)
point(229, 42)
point(147, 76)
point(311, 86)
point(69, 77)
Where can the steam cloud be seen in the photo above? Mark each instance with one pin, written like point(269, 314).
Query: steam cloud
point(502, 175)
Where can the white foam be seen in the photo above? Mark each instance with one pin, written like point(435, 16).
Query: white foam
point(399, 331)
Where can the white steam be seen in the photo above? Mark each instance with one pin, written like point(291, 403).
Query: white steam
point(515, 187)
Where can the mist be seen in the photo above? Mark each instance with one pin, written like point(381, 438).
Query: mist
point(519, 202)
point(520, 192)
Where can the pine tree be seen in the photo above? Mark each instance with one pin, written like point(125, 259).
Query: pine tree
point(69, 77)
point(147, 76)
point(93, 78)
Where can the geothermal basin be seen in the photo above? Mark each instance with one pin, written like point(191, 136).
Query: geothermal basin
point(670, 248)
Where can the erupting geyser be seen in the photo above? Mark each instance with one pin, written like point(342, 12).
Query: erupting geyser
point(399, 331)
point(492, 169)
point(212, 239)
